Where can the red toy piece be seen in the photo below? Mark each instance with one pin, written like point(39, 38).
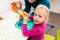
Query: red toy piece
point(1, 18)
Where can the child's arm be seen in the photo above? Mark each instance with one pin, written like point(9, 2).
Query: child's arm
point(32, 32)
point(31, 17)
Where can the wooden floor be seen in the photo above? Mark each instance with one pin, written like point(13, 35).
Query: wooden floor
point(55, 19)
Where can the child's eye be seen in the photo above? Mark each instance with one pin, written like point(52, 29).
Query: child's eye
point(40, 16)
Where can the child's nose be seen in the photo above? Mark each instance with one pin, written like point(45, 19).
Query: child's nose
point(36, 17)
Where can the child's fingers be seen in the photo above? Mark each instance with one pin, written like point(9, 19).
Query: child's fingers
point(25, 18)
point(27, 14)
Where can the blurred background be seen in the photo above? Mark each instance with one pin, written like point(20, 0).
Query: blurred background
point(7, 29)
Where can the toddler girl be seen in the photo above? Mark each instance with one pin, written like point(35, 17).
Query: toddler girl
point(40, 19)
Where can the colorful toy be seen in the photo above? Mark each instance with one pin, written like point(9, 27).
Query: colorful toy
point(19, 23)
point(17, 5)
point(1, 18)
point(20, 12)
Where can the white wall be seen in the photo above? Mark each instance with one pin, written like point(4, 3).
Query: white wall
point(55, 6)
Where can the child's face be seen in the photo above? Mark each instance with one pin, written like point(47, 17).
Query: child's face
point(39, 16)
point(31, 1)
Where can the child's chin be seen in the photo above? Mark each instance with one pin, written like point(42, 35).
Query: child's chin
point(36, 23)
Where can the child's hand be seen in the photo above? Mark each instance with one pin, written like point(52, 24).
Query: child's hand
point(27, 14)
point(25, 19)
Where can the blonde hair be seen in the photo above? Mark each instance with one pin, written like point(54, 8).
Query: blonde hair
point(40, 6)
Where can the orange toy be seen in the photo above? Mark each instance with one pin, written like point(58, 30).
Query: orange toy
point(17, 5)
point(1, 18)
point(14, 8)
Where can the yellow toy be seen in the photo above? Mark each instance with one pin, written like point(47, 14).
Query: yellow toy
point(21, 12)
point(58, 34)
point(49, 37)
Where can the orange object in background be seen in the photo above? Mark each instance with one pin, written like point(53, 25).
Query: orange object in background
point(17, 5)
point(14, 8)
point(1, 18)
